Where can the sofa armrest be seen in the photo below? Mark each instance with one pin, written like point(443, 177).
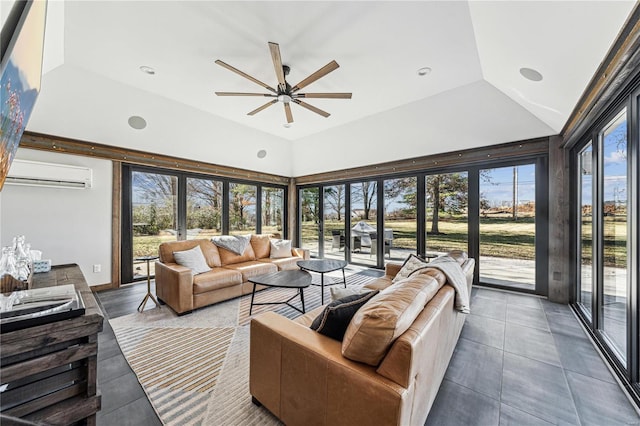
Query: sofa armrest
point(301, 377)
point(392, 268)
point(303, 253)
point(174, 286)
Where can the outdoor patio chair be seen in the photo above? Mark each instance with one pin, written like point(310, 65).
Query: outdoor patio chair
point(337, 241)
point(374, 245)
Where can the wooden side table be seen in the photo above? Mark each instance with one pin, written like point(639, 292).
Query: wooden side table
point(148, 295)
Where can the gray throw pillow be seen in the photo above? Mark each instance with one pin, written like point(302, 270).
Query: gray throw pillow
point(336, 316)
point(192, 259)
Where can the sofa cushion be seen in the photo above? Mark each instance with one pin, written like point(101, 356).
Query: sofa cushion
point(389, 314)
point(227, 257)
point(380, 283)
point(192, 259)
point(340, 292)
point(283, 264)
point(252, 268)
point(215, 279)
point(411, 265)
point(280, 249)
point(335, 318)
point(261, 245)
point(209, 250)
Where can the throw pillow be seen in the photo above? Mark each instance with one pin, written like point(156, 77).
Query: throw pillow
point(339, 292)
point(280, 249)
point(375, 327)
point(335, 318)
point(192, 259)
point(412, 264)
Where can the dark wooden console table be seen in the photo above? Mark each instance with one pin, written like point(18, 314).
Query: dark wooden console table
point(50, 369)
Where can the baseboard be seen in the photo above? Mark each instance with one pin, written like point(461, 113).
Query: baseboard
point(101, 287)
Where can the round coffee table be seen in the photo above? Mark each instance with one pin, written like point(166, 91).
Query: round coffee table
point(322, 266)
point(283, 279)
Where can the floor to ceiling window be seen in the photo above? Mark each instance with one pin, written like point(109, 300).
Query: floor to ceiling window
point(507, 226)
point(606, 264)
point(164, 205)
point(615, 231)
point(273, 217)
point(242, 209)
point(309, 220)
point(154, 212)
point(334, 222)
point(204, 208)
point(585, 229)
point(447, 212)
point(364, 214)
point(400, 218)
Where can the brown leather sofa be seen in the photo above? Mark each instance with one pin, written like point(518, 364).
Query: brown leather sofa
point(302, 377)
point(183, 292)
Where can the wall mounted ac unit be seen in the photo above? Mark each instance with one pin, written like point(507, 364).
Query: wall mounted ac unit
point(36, 173)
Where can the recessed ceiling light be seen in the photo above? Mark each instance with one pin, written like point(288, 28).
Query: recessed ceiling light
point(530, 74)
point(287, 125)
point(262, 153)
point(137, 122)
point(147, 70)
point(424, 71)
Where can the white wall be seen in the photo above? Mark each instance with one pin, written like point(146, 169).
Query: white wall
point(68, 225)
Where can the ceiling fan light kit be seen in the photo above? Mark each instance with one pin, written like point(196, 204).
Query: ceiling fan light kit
point(285, 93)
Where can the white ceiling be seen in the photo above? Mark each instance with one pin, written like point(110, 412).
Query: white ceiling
point(474, 96)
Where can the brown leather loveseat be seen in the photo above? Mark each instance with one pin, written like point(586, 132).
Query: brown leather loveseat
point(303, 378)
point(183, 291)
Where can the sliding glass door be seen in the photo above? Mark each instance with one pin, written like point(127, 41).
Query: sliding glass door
point(615, 231)
point(364, 225)
point(154, 212)
point(447, 212)
point(585, 229)
point(604, 229)
point(161, 205)
point(508, 226)
point(334, 222)
point(400, 218)
point(309, 220)
point(204, 208)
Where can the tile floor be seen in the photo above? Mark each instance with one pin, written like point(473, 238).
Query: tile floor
point(520, 360)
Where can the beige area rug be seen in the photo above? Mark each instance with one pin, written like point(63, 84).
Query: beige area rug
point(195, 368)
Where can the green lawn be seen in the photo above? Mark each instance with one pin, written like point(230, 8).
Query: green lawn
point(499, 237)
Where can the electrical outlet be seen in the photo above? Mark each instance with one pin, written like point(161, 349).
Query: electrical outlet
point(97, 268)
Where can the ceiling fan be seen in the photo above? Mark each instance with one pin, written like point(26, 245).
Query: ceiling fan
point(285, 93)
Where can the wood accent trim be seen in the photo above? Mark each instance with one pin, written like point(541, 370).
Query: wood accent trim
point(116, 225)
point(73, 146)
point(511, 150)
point(102, 287)
point(620, 62)
point(292, 209)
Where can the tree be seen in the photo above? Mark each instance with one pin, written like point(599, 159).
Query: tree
point(447, 193)
point(334, 198)
point(309, 205)
point(241, 198)
point(159, 191)
point(367, 195)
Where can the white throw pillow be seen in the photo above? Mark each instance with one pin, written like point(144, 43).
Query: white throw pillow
point(339, 292)
point(192, 259)
point(411, 265)
point(280, 248)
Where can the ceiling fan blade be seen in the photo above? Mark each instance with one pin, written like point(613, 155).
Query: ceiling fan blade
point(277, 64)
point(245, 75)
point(287, 111)
point(311, 108)
point(265, 106)
point(323, 95)
point(268, 95)
point(331, 66)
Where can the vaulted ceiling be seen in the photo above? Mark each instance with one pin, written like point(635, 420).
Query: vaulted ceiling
point(474, 96)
